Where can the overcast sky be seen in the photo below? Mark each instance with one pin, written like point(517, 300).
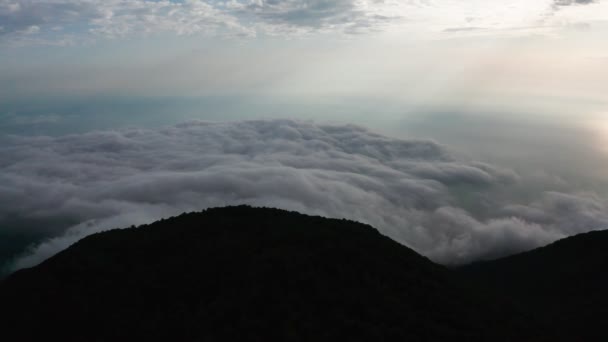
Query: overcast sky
point(510, 94)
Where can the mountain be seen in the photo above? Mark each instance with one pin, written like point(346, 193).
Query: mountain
point(564, 284)
point(250, 274)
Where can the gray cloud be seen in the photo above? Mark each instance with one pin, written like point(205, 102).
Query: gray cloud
point(304, 12)
point(23, 16)
point(347, 15)
point(573, 2)
point(560, 4)
point(412, 190)
point(112, 18)
point(66, 21)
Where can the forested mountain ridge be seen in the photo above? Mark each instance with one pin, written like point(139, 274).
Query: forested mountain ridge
point(242, 273)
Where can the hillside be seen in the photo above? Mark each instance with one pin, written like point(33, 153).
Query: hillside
point(247, 274)
point(564, 284)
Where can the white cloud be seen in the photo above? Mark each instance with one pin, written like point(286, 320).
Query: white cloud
point(412, 190)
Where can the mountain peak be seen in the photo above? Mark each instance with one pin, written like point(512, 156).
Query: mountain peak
point(242, 273)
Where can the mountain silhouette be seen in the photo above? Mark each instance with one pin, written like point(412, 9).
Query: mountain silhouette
point(564, 284)
point(255, 274)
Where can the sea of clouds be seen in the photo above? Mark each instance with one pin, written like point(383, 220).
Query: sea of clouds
point(416, 191)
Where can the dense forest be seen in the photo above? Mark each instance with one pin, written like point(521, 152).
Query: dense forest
point(255, 274)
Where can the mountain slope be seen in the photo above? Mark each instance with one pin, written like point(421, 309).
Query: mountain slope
point(564, 284)
point(241, 273)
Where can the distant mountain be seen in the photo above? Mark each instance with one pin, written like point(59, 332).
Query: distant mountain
point(245, 274)
point(564, 284)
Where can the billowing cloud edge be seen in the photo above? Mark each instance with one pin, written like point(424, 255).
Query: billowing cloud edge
point(416, 191)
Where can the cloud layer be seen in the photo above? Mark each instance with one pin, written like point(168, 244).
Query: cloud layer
point(451, 210)
point(573, 2)
point(119, 18)
point(73, 21)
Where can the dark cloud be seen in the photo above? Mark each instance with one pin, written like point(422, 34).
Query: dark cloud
point(21, 16)
point(347, 15)
point(61, 20)
point(112, 18)
point(413, 190)
point(559, 4)
point(305, 12)
point(573, 2)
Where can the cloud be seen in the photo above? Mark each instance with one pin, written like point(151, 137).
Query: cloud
point(348, 16)
point(413, 190)
point(560, 4)
point(69, 22)
point(61, 19)
point(573, 2)
point(312, 13)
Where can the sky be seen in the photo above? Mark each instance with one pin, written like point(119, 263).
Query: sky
point(466, 130)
